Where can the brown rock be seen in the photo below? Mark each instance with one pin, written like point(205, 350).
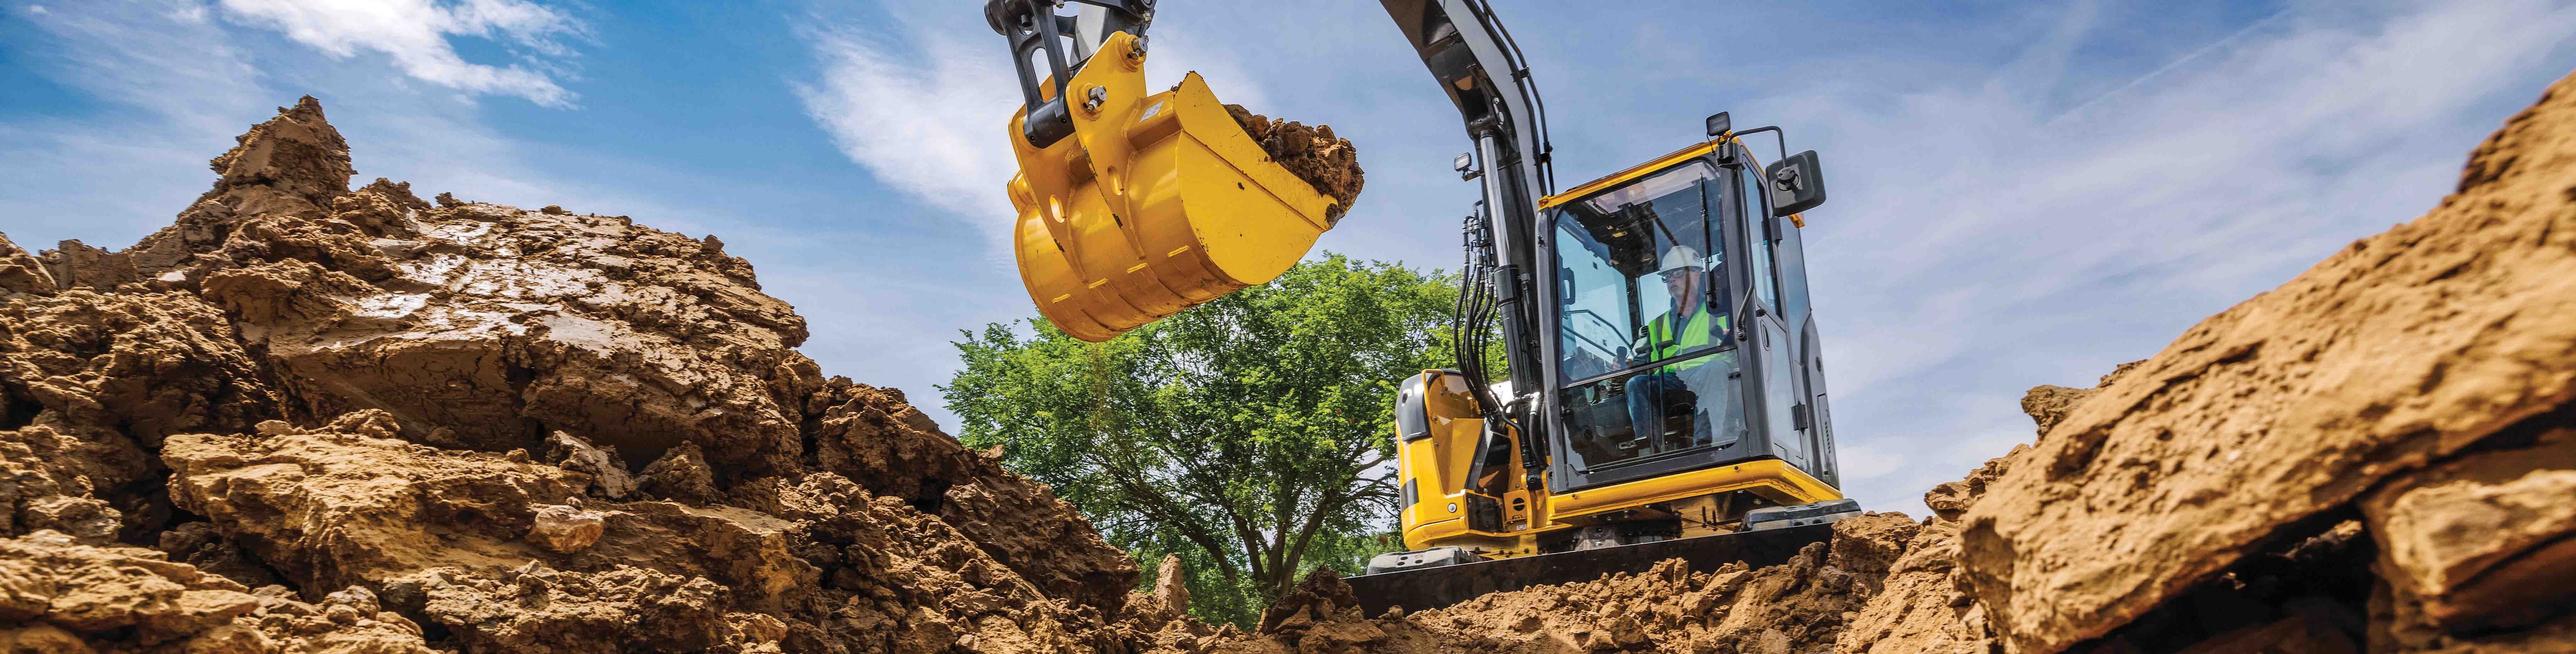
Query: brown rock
point(1950, 500)
point(872, 436)
point(2484, 540)
point(1169, 587)
point(680, 475)
point(21, 272)
point(334, 510)
point(566, 529)
point(89, 384)
point(2296, 401)
point(608, 476)
point(72, 597)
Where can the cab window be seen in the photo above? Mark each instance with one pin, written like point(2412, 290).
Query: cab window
point(1644, 334)
point(1758, 237)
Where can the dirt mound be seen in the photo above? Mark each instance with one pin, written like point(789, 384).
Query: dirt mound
point(2418, 380)
point(461, 425)
point(1311, 153)
point(1810, 600)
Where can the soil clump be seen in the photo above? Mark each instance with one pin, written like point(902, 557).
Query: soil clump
point(1313, 154)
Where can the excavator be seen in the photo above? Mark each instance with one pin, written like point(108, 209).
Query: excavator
point(1662, 393)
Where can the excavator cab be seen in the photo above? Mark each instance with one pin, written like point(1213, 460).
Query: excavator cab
point(1133, 205)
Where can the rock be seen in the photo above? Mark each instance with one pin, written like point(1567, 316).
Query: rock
point(872, 436)
point(2295, 402)
point(1868, 544)
point(566, 529)
point(89, 384)
point(21, 272)
point(1322, 593)
point(332, 509)
point(72, 597)
point(681, 475)
point(2482, 541)
point(1952, 499)
point(1170, 589)
point(200, 544)
point(608, 476)
point(542, 609)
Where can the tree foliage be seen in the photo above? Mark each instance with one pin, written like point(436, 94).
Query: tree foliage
point(1250, 434)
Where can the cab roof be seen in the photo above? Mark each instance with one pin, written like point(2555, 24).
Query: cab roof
point(1633, 172)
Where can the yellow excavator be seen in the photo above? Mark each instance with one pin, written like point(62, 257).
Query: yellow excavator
point(1664, 391)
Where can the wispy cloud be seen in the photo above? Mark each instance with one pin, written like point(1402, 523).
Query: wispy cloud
point(929, 122)
point(415, 33)
point(178, 91)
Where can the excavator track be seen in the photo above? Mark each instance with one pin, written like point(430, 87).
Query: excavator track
point(1431, 588)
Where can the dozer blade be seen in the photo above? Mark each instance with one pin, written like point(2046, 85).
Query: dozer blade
point(1431, 588)
point(1157, 203)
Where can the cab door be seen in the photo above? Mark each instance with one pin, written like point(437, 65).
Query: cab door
point(1777, 394)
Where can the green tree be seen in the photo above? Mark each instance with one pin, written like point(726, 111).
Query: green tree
point(1250, 435)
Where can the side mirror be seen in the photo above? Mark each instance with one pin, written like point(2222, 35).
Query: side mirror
point(1797, 184)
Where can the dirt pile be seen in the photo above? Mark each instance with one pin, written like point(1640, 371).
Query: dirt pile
point(2414, 388)
point(1311, 153)
point(310, 418)
point(1810, 600)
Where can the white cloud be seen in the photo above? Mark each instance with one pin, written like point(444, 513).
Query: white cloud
point(414, 33)
point(931, 126)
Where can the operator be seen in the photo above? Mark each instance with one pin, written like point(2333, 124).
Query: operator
point(1689, 325)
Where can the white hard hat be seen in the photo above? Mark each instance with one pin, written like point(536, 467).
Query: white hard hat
point(1679, 257)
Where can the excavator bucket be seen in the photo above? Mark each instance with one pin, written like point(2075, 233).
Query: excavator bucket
point(1156, 203)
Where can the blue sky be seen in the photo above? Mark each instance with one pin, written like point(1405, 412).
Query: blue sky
point(2023, 194)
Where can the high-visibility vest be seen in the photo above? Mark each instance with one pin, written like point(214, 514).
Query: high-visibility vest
point(1661, 342)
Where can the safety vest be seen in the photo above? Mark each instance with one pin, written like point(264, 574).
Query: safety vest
point(1695, 333)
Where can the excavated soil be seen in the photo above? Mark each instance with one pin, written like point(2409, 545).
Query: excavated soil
point(315, 419)
point(1311, 153)
point(305, 418)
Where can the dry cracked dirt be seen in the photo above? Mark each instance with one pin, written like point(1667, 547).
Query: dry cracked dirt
point(305, 418)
